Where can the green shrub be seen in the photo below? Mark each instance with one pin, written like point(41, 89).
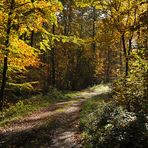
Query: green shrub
point(25, 90)
point(54, 93)
point(111, 126)
point(22, 108)
point(131, 91)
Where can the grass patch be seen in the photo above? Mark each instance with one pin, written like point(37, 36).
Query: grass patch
point(92, 104)
point(89, 107)
point(22, 108)
point(102, 88)
point(88, 112)
point(25, 107)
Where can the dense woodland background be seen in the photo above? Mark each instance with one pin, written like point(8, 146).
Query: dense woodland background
point(72, 45)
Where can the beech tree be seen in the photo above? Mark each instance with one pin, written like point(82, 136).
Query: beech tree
point(20, 19)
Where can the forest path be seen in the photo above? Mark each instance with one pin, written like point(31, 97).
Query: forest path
point(53, 127)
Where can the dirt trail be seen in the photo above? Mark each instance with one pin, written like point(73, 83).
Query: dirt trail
point(53, 127)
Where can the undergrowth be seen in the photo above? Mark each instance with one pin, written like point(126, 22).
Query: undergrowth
point(27, 106)
point(107, 125)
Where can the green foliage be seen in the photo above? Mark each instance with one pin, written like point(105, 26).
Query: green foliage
point(27, 106)
point(21, 109)
point(131, 91)
point(56, 94)
point(23, 90)
point(90, 106)
point(110, 125)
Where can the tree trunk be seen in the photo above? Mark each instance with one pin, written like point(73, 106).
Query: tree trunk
point(32, 39)
point(5, 67)
point(67, 32)
point(126, 66)
point(126, 52)
point(94, 31)
point(125, 55)
point(53, 61)
point(3, 82)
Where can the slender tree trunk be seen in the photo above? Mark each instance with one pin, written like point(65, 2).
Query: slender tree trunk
point(32, 39)
point(125, 55)
point(53, 67)
point(121, 58)
point(3, 81)
point(69, 18)
point(107, 75)
point(67, 32)
point(53, 61)
point(145, 82)
point(94, 31)
point(126, 66)
point(5, 66)
point(126, 52)
point(128, 56)
point(48, 75)
point(32, 32)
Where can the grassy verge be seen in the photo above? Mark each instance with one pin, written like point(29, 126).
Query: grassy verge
point(89, 115)
point(90, 106)
point(25, 107)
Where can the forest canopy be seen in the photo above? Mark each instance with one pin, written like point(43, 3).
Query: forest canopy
point(71, 44)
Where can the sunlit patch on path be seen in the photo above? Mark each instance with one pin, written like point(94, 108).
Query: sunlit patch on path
point(64, 131)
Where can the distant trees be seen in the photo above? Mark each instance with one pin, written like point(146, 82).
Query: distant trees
point(119, 31)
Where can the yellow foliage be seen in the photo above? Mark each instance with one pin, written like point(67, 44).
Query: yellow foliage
point(21, 54)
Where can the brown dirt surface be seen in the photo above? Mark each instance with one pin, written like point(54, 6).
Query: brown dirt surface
point(54, 127)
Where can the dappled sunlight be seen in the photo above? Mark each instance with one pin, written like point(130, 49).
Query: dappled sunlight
point(95, 91)
point(62, 59)
point(64, 116)
point(102, 88)
point(65, 138)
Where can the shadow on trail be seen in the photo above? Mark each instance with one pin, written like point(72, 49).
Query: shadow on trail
point(55, 127)
point(59, 129)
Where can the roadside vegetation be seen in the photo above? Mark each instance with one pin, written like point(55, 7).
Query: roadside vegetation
point(105, 124)
point(118, 119)
point(35, 103)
